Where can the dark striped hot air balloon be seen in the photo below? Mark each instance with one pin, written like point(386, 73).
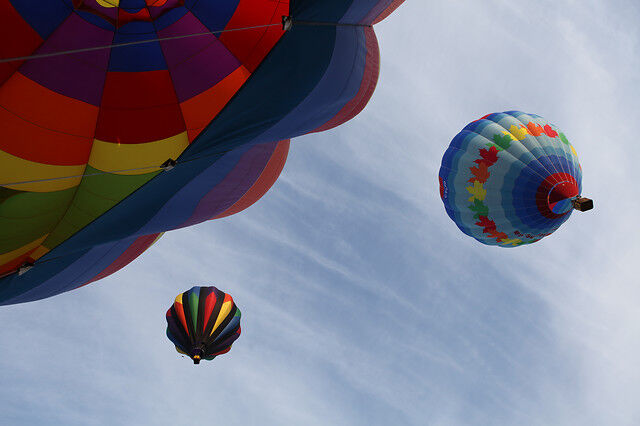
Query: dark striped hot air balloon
point(510, 179)
point(203, 323)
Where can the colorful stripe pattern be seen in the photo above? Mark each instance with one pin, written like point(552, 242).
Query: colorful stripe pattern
point(217, 103)
point(203, 323)
point(509, 179)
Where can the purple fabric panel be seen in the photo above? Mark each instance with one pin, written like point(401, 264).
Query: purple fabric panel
point(77, 75)
point(376, 11)
point(234, 185)
point(196, 63)
point(364, 11)
point(181, 206)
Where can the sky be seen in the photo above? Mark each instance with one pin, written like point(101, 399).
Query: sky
point(362, 303)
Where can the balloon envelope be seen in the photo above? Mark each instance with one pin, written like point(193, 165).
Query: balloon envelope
point(96, 95)
point(510, 179)
point(203, 323)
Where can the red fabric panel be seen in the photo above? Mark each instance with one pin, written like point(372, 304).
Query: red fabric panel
point(13, 265)
point(139, 107)
point(19, 39)
point(210, 303)
point(368, 86)
point(35, 143)
point(392, 7)
point(264, 183)
point(252, 46)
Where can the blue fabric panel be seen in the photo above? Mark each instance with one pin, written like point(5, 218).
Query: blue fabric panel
point(43, 16)
point(139, 57)
point(61, 274)
point(320, 11)
point(283, 80)
point(214, 14)
point(361, 8)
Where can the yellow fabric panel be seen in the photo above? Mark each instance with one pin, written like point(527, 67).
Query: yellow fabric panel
point(16, 169)
point(7, 257)
point(111, 157)
point(179, 299)
point(39, 252)
point(224, 311)
point(156, 240)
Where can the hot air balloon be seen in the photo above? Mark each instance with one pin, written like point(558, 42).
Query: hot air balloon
point(510, 179)
point(122, 119)
point(203, 323)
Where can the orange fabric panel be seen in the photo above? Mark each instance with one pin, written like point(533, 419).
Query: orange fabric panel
point(266, 180)
point(201, 109)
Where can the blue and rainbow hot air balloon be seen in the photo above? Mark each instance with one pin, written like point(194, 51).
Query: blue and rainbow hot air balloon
point(510, 179)
point(122, 119)
point(203, 323)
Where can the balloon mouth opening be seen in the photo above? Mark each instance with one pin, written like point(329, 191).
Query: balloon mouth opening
point(561, 197)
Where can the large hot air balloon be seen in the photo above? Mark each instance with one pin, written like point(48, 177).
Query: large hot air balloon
point(122, 119)
point(510, 179)
point(203, 323)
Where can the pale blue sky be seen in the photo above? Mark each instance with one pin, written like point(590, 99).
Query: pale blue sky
point(362, 303)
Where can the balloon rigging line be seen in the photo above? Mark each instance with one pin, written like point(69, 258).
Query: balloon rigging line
point(287, 23)
point(130, 43)
point(102, 172)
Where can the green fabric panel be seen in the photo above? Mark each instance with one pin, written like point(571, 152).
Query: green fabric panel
point(94, 196)
point(194, 297)
point(6, 193)
point(27, 216)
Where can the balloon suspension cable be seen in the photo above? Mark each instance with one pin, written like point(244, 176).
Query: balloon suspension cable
point(287, 23)
point(169, 164)
point(131, 43)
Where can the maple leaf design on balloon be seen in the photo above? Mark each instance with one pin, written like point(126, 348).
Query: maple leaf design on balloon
point(503, 141)
point(550, 132)
point(535, 129)
point(519, 132)
point(488, 156)
point(499, 236)
point(486, 223)
point(480, 208)
point(514, 242)
point(480, 173)
point(477, 192)
point(564, 139)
